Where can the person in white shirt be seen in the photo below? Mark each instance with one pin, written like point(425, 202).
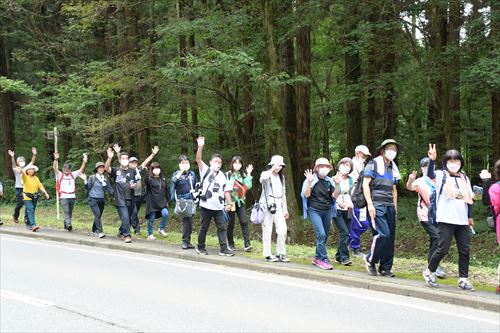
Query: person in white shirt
point(273, 198)
point(66, 186)
point(214, 189)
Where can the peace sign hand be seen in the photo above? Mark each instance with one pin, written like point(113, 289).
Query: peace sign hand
point(432, 153)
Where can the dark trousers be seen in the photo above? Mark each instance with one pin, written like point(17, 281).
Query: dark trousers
point(134, 221)
point(433, 232)
point(67, 206)
point(19, 205)
point(446, 233)
point(187, 229)
point(242, 217)
point(97, 207)
point(206, 217)
point(384, 235)
point(125, 212)
point(343, 224)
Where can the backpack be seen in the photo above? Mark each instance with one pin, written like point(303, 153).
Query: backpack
point(357, 194)
point(432, 204)
point(58, 185)
point(257, 213)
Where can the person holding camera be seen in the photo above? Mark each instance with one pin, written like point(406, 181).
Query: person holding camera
point(214, 189)
point(182, 188)
point(453, 215)
point(32, 186)
point(273, 197)
point(318, 204)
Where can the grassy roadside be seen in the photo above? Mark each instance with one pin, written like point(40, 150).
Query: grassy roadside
point(410, 248)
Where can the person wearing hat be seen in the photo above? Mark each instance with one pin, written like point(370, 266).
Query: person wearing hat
point(273, 198)
point(17, 167)
point(97, 186)
point(31, 187)
point(359, 216)
point(453, 215)
point(424, 187)
point(125, 182)
point(66, 186)
point(343, 187)
point(139, 191)
point(379, 187)
point(318, 204)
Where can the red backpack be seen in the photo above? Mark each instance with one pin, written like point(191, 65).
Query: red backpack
point(58, 185)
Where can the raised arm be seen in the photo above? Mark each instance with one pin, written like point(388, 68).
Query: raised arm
point(55, 164)
point(33, 155)
point(12, 159)
point(148, 160)
point(307, 185)
point(199, 154)
point(411, 179)
point(84, 163)
point(432, 153)
point(107, 165)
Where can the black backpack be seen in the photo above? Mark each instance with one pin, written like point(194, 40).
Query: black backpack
point(357, 195)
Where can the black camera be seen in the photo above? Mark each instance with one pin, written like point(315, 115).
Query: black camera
point(272, 208)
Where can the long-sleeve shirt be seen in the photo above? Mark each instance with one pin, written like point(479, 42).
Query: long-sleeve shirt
point(246, 181)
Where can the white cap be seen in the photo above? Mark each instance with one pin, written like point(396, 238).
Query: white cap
point(362, 148)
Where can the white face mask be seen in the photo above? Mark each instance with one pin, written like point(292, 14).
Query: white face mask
point(215, 167)
point(390, 154)
point(156, 171)
point(323, 172)
point(453, 167)
point(237, 166)
point(184, 166)
point(124, 163)
point(344, 169)
point(22, 164)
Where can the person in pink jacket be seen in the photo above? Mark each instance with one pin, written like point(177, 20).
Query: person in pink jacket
point(494, 193)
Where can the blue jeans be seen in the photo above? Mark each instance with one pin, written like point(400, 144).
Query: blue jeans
point(384, 235)
point(343, 223)
point(321, 221)
point(30, 210)
point(125, 212)
point(151, 220)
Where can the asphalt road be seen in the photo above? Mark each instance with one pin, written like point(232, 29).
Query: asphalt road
point(48, 286)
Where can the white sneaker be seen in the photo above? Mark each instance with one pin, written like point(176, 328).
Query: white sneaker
point(101, 235)
point(440, 273)
point(151, 237)
point(162, 232)
point(430, 278)
point(464, 284)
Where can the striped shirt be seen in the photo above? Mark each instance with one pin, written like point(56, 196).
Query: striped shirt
point(381, 185)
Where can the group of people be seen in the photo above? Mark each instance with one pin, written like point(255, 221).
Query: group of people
point(361, 195)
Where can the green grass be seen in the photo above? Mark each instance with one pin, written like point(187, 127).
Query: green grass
point(411, 241)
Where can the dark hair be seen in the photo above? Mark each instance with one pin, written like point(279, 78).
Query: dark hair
point(153, 166)
point(216, 155)
point(123, 153)
point(182, 158)
point(236, 159)
point(453, 154)
point(425, 162)
point(67, 165)
point(497, 170)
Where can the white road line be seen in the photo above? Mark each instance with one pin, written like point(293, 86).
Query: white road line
point(25, 299)
point(463, 313)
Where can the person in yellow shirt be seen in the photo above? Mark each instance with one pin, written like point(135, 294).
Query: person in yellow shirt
point(31, 188)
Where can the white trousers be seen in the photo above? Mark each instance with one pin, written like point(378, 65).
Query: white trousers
point(267, 229)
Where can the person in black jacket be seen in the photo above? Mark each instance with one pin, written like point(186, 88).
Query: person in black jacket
point(156, 199)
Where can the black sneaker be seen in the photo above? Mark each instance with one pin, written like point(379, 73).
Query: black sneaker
point(226, 253)
point(283, 258)
point(248, 248)
point(369, 267)
point(346, 262)
point(70, 228)
point(271, 259)
point(185, 246)
point(386, 273)
point(190, 246)
point(202, 252)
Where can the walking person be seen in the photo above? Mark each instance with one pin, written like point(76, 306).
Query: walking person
point(453, 215)
point(17, 167)
point(424, 187)
point(240, 183)
point(97, 185)
point(181, 188)
point(360, 221)
point(273, 198)
point(156, 199)
point(379, 187)
point(140, 191)
point(32, 186)
point(125, 182)
point(318, 203)
point(214, 190)
point(344, 206)
point(66, 186)
point(494, 194)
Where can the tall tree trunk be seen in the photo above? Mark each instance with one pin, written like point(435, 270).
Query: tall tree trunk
point(181, 4)
point(303, 100)
point(353, 105)
point(495, 94)
point(455, 23)
point(7, 109)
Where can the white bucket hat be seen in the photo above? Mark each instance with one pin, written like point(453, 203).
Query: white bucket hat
point(30, 166)
point(322, 161)
point(364, 149)
point(277, 159)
